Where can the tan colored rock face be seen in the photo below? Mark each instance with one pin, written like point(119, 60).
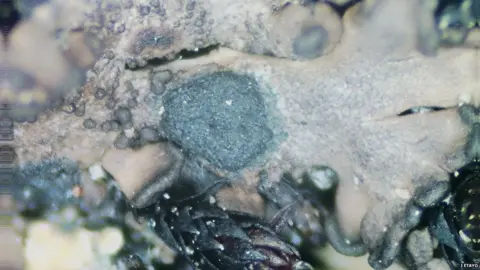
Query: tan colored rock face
point(338, 109)
point(156, 164)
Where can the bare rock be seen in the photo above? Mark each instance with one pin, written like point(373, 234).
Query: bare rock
point(143, 174)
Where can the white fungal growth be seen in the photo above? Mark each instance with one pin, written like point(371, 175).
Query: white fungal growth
point(129, 132)
point(464, 99)
point(110, 241)
point(152, 223)
point(212, 200)
point(403, 193)
point(189, 250)
point(322, 177)
point(464, 237)
point(97, 172)
point(161, 110)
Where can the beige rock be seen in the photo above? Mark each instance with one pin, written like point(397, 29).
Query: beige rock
point(240, 199)
point(141, 173)
point(338, 110)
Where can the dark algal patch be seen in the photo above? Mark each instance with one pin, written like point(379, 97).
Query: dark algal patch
point(46, 185)
point(220, 116)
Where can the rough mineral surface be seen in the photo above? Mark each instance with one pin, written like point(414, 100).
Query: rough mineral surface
point(339, 107)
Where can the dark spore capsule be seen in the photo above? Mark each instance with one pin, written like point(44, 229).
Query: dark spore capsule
point(123, 115)
point(89, 123)
point(100, 93)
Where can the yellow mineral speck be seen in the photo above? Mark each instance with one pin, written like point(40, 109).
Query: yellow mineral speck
point(110, 241)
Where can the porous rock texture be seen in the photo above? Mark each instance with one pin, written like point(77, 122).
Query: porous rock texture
point(336, 107)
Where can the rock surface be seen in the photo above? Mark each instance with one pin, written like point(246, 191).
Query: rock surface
point(339, 107)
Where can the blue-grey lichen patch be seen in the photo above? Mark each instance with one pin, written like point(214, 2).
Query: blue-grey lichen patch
point(219, 116)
